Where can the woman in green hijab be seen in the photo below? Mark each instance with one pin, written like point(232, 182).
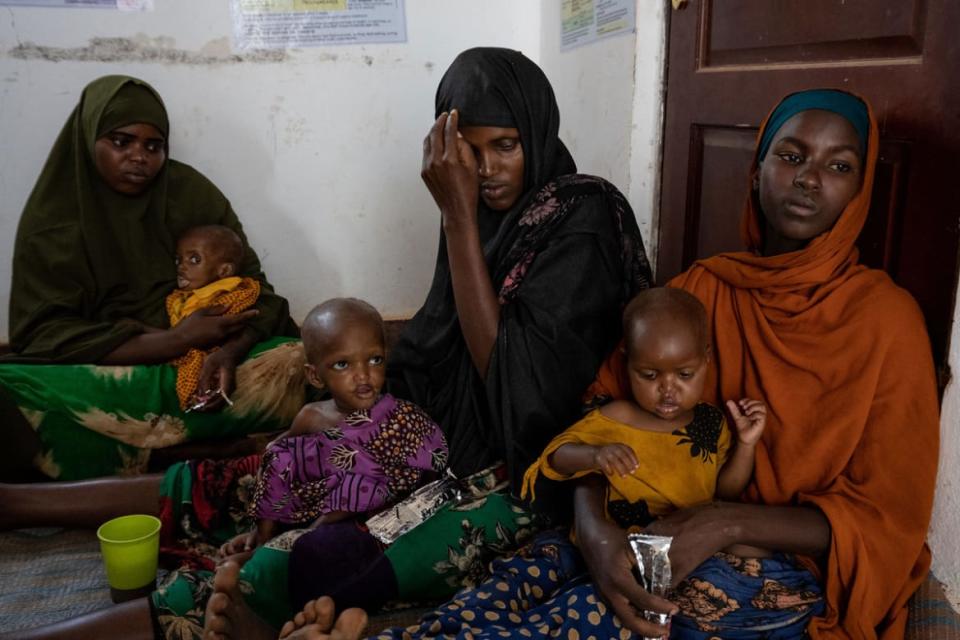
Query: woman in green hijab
point(93, 263)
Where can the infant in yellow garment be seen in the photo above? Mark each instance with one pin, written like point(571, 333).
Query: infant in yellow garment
point(208, 258)
point(664, 449)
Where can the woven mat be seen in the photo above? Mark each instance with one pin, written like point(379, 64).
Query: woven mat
point(931, 616)
point(48, 575)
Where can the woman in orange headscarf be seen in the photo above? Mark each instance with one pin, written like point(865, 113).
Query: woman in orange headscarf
point(846, 469)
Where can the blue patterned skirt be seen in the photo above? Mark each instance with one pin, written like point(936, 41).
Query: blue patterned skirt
point(544, 590)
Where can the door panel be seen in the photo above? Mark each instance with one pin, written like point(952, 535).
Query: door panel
point(720, 159)
point(729, 62)
point(818, 31)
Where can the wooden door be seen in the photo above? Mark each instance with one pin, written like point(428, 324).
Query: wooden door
point(730, 61)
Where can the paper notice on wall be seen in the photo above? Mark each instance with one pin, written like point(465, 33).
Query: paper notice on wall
point(264, 24)
point(122, 5)
point(585, 21)
point(135, 5)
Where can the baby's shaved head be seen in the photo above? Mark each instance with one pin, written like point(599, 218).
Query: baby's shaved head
point(671, 307)
point(224, 241)
point(327, 320)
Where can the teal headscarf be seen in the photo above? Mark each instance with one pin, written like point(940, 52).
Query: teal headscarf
point(840, 102)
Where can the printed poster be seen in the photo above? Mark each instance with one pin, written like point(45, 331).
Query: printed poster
point(267, 24)
point(586, 21)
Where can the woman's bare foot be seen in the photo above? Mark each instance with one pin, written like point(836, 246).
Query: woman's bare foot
point(318, 621)
point(227, 616)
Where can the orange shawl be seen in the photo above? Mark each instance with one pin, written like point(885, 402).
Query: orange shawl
point(842, 357)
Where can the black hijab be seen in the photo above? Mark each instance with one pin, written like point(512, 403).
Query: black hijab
point(502, 88)
point(550, 340)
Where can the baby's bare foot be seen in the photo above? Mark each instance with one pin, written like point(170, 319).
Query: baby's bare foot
point(317, 621)
point(227, 616)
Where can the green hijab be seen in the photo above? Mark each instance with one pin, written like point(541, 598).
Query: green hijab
point(88, 260)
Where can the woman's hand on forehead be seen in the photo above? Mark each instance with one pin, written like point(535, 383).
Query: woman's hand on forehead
point(450, 171)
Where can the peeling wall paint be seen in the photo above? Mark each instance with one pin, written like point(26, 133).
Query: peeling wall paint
point(141, 49)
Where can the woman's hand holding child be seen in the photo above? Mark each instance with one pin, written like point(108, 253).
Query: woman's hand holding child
point(209, 326)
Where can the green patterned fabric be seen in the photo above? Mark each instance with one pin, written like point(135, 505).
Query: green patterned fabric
point(455, 546)
point(204, 503)
point(104, 420)
point(451, 550)
point(179, 602)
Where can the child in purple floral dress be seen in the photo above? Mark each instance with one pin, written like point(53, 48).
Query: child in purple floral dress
point(352, 454)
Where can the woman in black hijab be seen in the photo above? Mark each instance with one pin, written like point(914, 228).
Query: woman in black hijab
point(532, 271)
point(534, 267)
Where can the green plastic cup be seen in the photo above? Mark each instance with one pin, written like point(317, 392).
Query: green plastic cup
point(130, 546)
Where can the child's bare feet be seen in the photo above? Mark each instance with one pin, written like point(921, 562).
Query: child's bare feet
point(227, 616)
point(317, 621)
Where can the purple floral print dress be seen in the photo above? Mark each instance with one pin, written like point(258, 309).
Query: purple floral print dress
point(368, 461)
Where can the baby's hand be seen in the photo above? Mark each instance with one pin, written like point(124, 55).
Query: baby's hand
point(615, 459)
point(749, 417)
point(242, 543)
point(239, 558)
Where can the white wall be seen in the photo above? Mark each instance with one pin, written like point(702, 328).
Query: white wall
point(946, 510)
point(319, 152)
point(611, 101)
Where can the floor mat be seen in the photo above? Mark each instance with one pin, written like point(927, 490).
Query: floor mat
point(931, 615)
point(48, 575)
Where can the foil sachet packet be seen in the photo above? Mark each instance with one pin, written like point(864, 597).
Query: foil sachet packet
point(653, 568)
point(393, 522)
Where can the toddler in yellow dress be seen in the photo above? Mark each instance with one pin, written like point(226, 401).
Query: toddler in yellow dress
point(665, 449)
